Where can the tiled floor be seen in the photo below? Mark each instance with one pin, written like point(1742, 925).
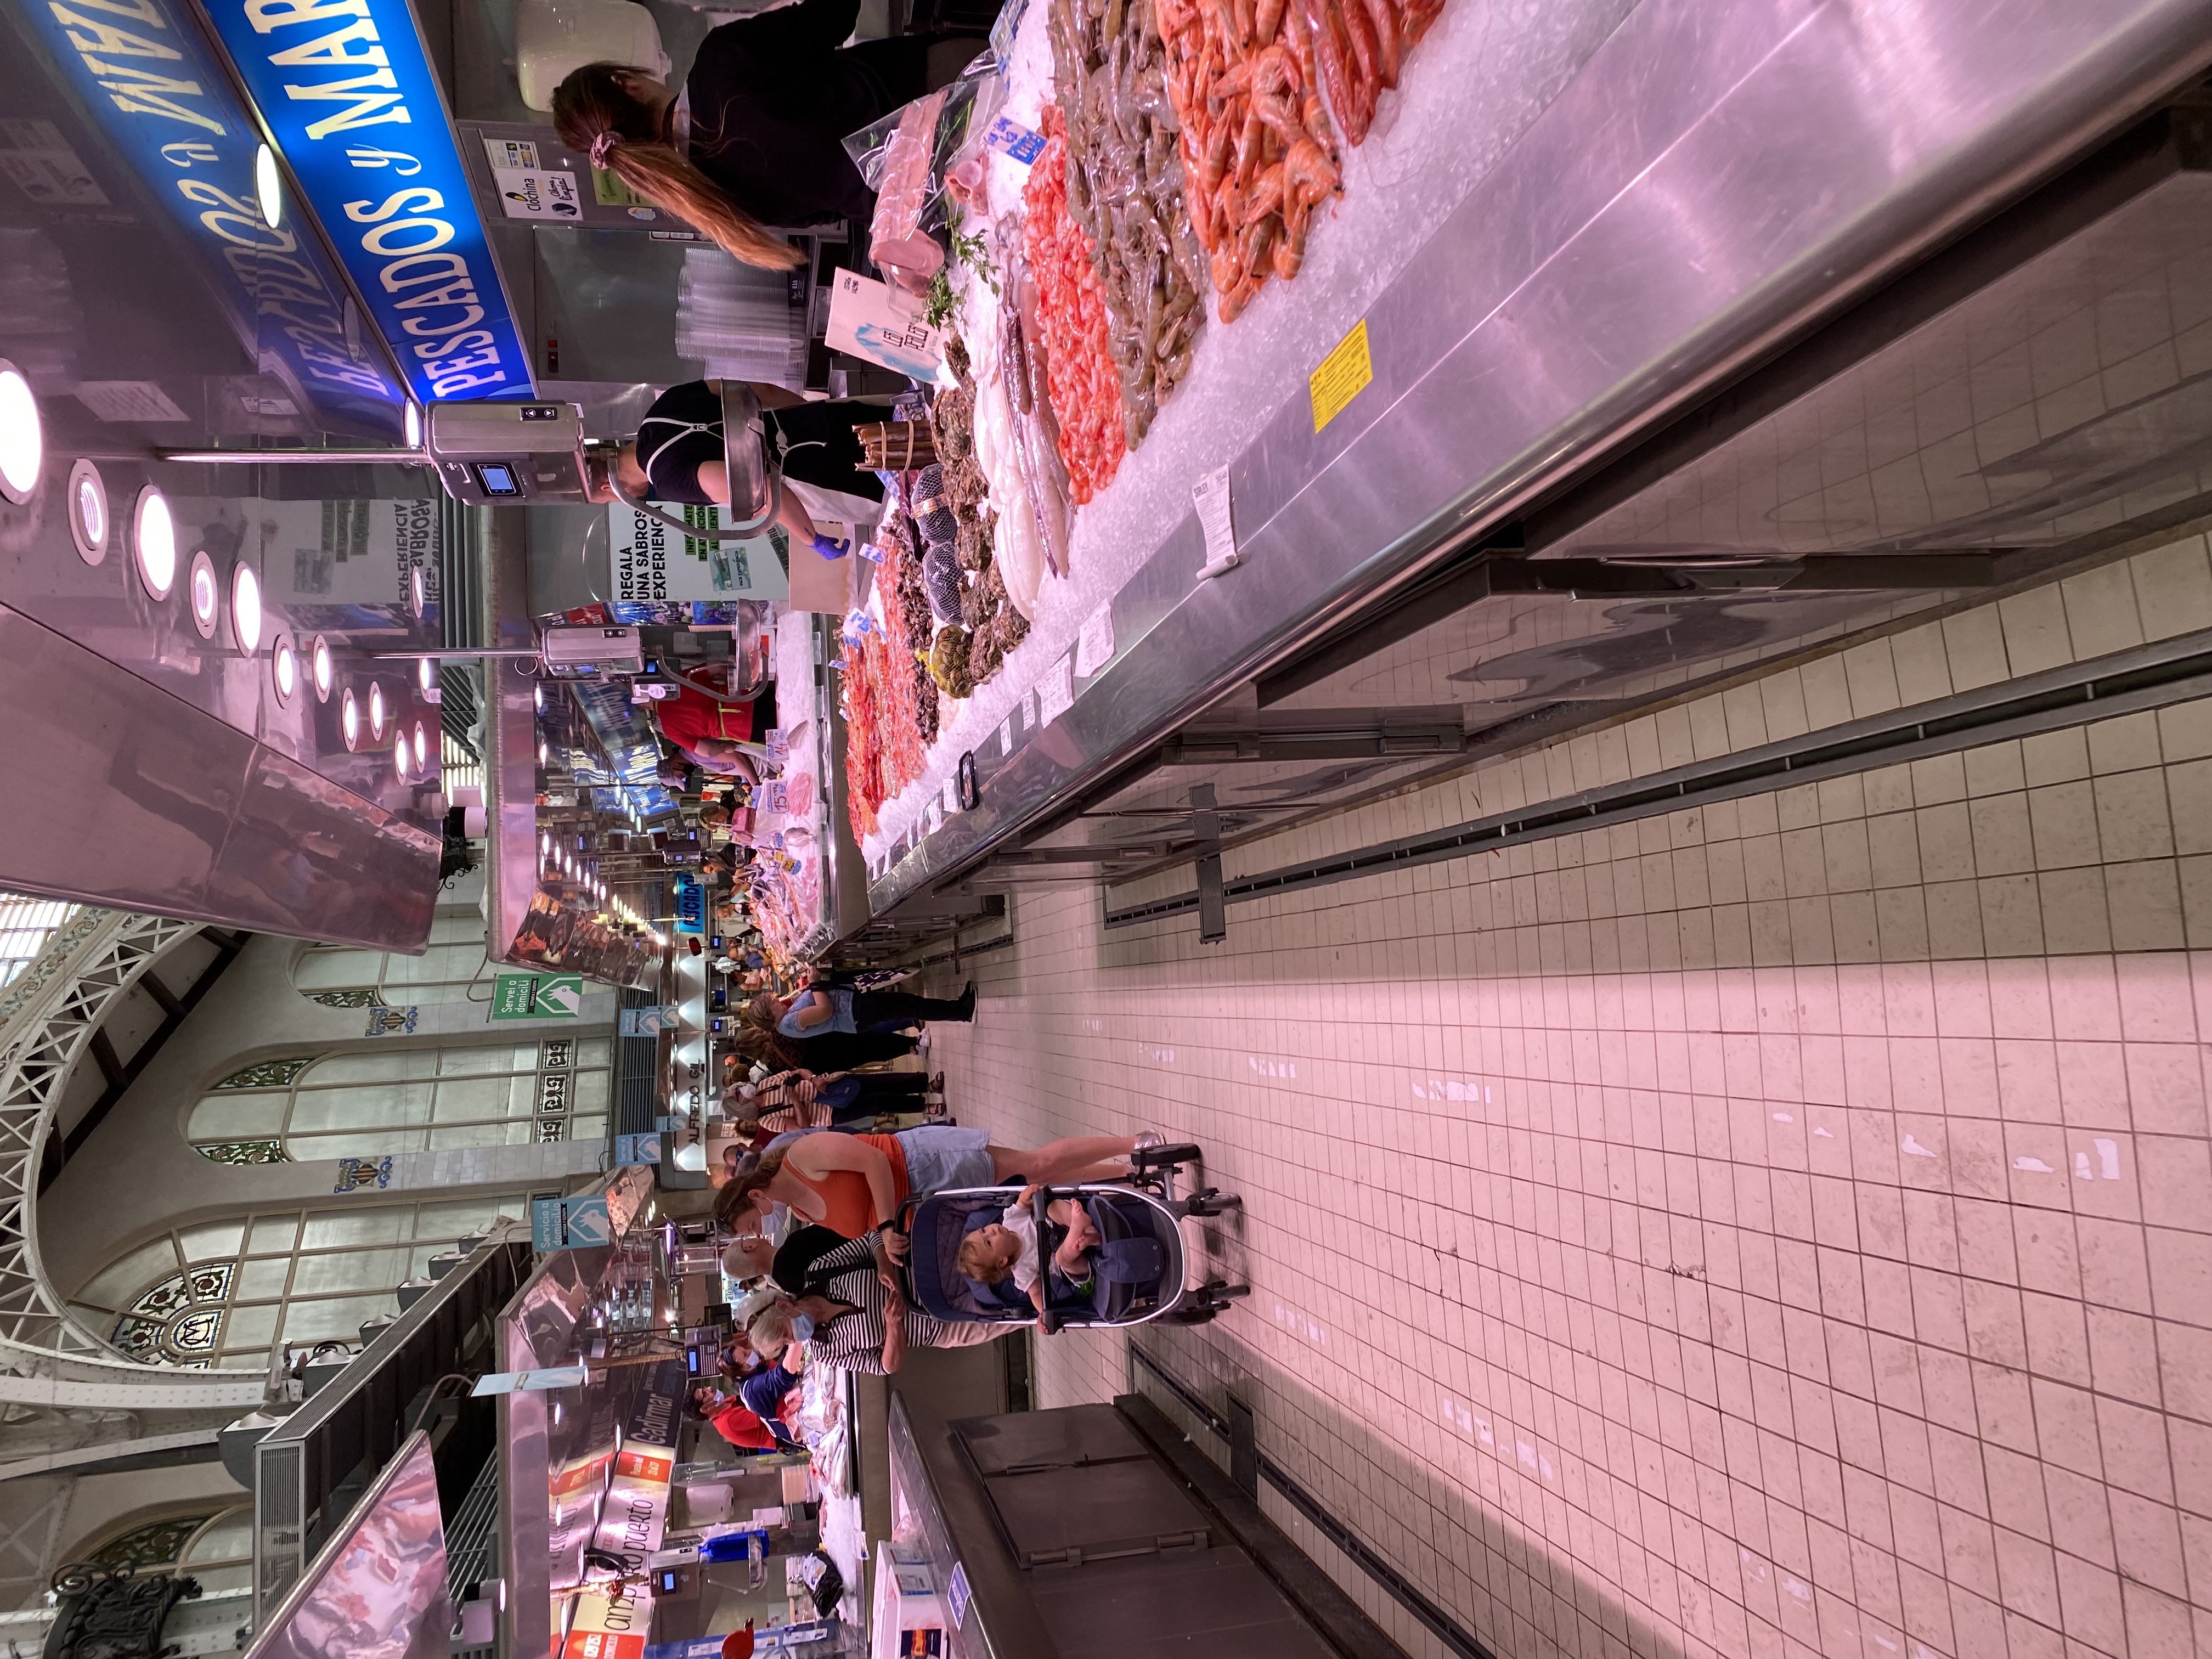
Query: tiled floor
point(1780, 1229)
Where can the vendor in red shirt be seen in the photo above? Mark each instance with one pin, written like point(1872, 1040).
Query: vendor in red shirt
point(738, 1423)
point(717, 737)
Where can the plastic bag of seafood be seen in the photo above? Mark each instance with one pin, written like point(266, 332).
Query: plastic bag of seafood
point(904, 158)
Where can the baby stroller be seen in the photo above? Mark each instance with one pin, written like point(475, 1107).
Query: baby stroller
point(1137, 1271)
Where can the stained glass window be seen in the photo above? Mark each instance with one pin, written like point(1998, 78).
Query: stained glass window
point(287, 1276)
point(366, 1102)
point(154, 1544)
point(267, 1074)
point(244, 1152)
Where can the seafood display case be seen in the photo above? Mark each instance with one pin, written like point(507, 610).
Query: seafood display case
point(1315, 372)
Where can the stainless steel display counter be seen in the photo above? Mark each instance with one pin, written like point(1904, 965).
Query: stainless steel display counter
point(1718, 177)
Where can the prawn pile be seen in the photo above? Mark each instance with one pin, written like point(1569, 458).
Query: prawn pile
point(1071, 314)
point(1248, 80)
point(883, 732)
point(1125, 190)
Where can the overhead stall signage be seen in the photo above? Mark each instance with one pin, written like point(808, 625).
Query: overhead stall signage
point(348, 91)
point(146, 75)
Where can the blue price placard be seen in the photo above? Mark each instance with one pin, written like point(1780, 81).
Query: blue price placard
point(637, 1149)
point(144, 73)
point(348, 92)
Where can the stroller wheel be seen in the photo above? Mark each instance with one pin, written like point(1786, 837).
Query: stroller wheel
point(1198, 1313)
point(1218, 1292)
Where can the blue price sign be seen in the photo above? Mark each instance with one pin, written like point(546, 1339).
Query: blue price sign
point(347, 89)
point(147, 77)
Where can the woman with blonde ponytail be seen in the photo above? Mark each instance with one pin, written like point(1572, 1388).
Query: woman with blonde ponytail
point(755, 138)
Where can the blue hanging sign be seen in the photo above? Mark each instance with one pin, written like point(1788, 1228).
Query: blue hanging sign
point(349, 93)
point(149, 81)
point(690, 905)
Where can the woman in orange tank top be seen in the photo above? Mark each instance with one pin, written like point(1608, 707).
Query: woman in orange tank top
point(852, 1183)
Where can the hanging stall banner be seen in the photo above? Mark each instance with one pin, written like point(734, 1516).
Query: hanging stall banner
point(347, 89)
point(690, 905)
point(652, 561)
point(145, 74)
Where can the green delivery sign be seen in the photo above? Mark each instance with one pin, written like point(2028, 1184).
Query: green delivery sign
point(536, 996)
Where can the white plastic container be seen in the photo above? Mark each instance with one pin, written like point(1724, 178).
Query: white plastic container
point(553, 38)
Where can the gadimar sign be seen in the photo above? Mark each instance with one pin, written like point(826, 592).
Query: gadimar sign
point(349, 92)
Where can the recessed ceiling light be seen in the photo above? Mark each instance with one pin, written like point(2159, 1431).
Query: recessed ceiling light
point(284, 668)
point(201, 593)
point(538, 696)
point(245, 607)
point(417, 596)
point(422, 745)
point(268, 187)
point(22, 438)
point(350, 718)
point(427, 674)
point(544, 752)
point(399, 762)
point(88, 509)
point(154, 540)
point(376, 712)
point(414, 423)
point(320, 660)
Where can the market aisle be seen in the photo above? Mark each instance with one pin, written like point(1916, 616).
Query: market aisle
point(1780, 1229)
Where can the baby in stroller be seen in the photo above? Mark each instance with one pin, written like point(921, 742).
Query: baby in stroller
point(995, 1252)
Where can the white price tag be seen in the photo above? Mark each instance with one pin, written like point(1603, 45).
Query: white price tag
point(1030, 709)
point(1056, 691)
point(1006, 735)
point(1210, 495)
point(1094, 646)
point(936, 816)
point(951, 797)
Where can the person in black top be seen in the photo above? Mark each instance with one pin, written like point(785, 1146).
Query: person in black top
point(755, 137)
point(791, 1264)
point(677, 456)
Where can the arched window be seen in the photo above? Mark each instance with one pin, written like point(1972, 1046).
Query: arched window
point(366, 1102)
point(214, 1547)
point(225, 1292)
point(344, 976)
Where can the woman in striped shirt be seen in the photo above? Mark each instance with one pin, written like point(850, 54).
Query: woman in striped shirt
point(798, 1099)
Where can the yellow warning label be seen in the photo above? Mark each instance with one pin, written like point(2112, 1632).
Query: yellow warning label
point(1342, 375)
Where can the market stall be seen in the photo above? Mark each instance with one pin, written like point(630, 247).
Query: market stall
point(1144, 209)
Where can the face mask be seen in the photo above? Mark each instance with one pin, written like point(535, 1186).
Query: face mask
point(802, 1327)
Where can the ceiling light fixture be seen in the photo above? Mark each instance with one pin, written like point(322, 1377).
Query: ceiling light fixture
point(268, 187)
point(376, 712)
point(154, 540)
point(319, 655)
point(284, 668)
point(417, 595)
point(245, 607)
point(422, 745)
point(22, 436)
point(350, 718)
point(427, 675)
point(413, 420)
point(88, 503)
point(201, 593)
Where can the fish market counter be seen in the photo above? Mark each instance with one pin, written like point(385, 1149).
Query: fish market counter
point(1539, 244)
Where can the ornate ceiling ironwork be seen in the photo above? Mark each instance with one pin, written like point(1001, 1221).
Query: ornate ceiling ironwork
point(48, 1017)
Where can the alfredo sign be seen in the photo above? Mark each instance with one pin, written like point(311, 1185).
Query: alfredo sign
point(345, 87)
